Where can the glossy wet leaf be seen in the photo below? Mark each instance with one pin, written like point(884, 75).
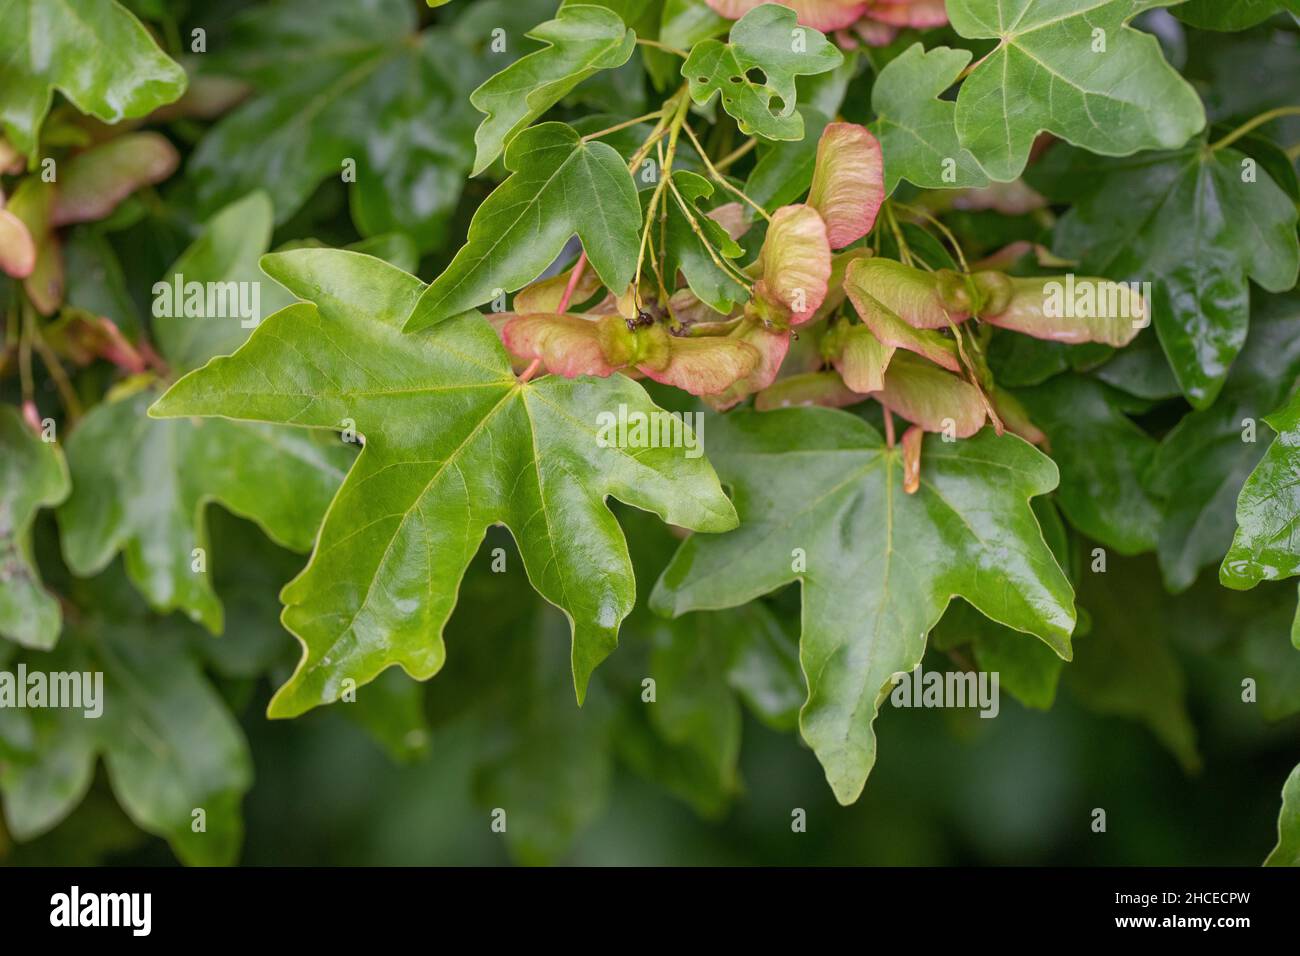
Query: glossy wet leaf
point(1266, 546)
point(33, 475)
point(411, 514)
point(819, 486)
point(527, 221)
point(1073, 68)
point(94, 52)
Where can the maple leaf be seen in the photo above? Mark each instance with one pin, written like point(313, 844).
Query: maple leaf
point(141, 486)
point(454, 443)
point(1073, 68)
point(560, 186)
point(755, 71)
point(821, 501)
point(581, 40)
point(93, 51)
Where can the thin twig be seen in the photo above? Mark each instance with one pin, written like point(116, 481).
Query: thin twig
point(721, 179)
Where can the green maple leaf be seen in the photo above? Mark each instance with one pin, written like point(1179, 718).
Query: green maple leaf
point(560, 186)
point(821, 501)
point(340, 80)
point(454, 443)
point(142, 486)
point(32, 476)
point(581, 41)
point(168, 741)
point(1266, 546)
point(1234, 15)
point(1287, 851)
point(1189, 223)
point(1202, 463)
point(92, 51)
point(1029, 670)
point(766, 41)
point(1104, 457)
point(1073, 68)
point(916, 129)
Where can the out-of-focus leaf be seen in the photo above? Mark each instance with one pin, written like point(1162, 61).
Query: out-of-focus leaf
point(344, 88)
point(170, 746)
point(1103, 458)
point(33, 475)
point(1196, 226)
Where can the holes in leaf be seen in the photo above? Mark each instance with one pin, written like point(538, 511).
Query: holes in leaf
point(756, 76)
point(733, 79)
point(776, 105)
point(704, 79)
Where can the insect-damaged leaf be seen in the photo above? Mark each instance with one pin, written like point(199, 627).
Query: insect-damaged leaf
point(560, 185)
point(755, 72)
point(821, 501)
point(454, 443)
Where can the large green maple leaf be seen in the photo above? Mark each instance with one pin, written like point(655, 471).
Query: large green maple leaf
point(755, 71)
point(454, 443)
point(142, 486)
point(340, 80)
point(1192, 223)
point(32, 475)
point(1073, 68)
point(92, 51)
point(821, 501)
point(560, 186)
point(581, 40)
